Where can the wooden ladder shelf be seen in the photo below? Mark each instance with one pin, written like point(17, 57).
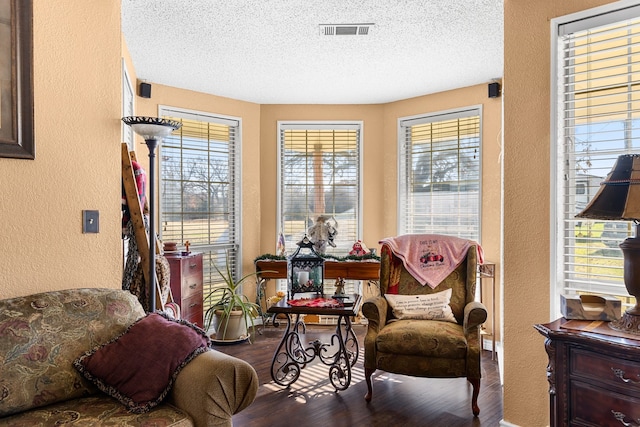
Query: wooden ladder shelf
point(137, 219)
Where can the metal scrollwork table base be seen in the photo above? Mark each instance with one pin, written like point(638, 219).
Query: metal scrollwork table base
point(340, 354)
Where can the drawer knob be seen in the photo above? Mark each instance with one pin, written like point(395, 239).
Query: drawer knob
point(193, 265)
point(620, 417)
point(619, 373)
point(193, 286)
point(192, 305)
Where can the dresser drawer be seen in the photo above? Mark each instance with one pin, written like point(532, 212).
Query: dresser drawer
point(191, 266)
point(593, 377)
point(191, 309)
point(599, 407)
point(621, 373)
point(191, 285)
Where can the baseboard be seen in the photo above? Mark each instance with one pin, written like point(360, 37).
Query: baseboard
point(504, 423)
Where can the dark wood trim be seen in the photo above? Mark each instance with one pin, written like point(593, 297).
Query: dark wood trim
point(21, 144)
point(351, 270)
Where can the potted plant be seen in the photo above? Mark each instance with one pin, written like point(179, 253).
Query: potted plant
point(233, 311)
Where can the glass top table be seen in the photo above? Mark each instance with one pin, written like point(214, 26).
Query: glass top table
point(291, 355)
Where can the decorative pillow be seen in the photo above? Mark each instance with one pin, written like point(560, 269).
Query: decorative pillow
point(426, 307)
point(139, 367)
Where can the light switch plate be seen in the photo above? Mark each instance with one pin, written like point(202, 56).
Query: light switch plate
point(90, 221)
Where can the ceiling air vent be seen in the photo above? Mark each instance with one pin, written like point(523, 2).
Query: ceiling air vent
point(345, 29)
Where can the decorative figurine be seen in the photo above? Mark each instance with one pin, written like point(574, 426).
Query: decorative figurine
point(186, 246)
point(280, 245)
point(322, 233)
point(358, 249)
point(339, 287)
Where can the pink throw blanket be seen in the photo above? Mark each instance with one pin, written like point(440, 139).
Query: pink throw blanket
point(430, 258)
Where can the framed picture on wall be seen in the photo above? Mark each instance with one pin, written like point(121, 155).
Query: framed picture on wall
point(16, 79)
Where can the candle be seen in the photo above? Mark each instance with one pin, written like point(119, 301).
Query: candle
point(303, 277)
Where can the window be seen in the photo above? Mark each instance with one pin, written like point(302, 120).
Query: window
point(127, 107)
point(319, 173)
point(200, 188)
point(597, 90)
point(439, 174)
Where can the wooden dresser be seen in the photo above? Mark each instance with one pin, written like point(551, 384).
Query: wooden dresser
point(186, 285)
point(594, 378)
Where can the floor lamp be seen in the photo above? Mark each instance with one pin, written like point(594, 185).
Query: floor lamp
point(152, 129)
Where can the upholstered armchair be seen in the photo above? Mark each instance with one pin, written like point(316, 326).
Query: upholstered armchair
point(425, 348)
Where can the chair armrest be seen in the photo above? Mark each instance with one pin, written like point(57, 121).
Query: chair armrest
point(475, 314)
point(375, 310)
point(213, 387)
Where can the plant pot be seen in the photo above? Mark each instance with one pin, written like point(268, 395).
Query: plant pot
point(235, 324)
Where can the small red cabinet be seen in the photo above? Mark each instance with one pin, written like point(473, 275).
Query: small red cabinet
point(186, 285)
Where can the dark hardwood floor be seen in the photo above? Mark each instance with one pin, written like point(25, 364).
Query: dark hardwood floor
point(397, 400)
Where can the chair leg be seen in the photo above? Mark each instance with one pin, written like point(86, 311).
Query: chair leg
point(367, 376)
point(475, 382)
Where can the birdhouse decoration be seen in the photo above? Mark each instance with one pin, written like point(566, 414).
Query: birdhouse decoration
point(305, 269)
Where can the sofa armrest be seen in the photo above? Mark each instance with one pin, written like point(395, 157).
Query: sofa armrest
point(475, 314)
point(213, 387)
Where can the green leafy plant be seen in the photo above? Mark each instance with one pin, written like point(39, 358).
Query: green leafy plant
point(228, 298)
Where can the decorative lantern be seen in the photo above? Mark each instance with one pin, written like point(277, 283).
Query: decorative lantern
point(305, 269)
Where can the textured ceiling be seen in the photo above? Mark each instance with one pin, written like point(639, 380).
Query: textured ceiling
point(272, 52)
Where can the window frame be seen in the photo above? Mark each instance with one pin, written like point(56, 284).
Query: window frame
point(314, 125)
point(403, 187)
point(579, 21)
point(128, 106)
point(356, 125)
point(236, 237)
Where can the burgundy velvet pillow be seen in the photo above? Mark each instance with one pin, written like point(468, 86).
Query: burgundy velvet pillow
point(139, 367)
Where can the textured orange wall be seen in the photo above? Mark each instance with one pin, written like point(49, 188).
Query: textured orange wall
point(77, 166)
point(527, 202)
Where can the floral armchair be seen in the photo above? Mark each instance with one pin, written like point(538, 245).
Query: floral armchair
point(425, 348)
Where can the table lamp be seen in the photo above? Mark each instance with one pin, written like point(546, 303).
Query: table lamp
point(618, 198)
point(152, 129)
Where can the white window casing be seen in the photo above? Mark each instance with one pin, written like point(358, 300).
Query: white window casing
point(200, 188)
point(595, 117)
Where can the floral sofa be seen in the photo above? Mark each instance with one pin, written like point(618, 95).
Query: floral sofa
point(43, 335)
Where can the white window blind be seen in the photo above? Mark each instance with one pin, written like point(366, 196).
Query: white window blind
point(319, 173)
point(200, 189)
point(598, 118)
point(439, 174)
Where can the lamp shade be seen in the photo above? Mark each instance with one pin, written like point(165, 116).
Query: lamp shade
point(151, 127)
point(618, 197)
